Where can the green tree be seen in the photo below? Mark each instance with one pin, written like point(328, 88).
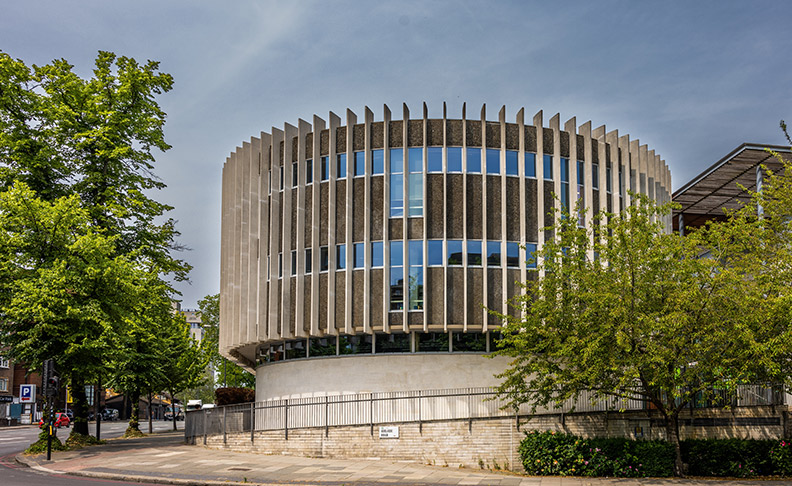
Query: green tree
point(63, 290)
point(635, 313)
point(229, 373)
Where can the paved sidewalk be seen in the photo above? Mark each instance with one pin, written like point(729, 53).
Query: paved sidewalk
point(164, 458)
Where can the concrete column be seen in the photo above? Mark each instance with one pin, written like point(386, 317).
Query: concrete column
point(540, 207)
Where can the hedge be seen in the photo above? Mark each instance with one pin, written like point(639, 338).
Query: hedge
point(550, 454)
point(231, 395)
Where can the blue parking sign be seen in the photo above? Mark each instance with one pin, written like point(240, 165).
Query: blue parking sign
point(27, 393)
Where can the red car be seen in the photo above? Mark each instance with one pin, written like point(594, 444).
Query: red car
point(61, 420)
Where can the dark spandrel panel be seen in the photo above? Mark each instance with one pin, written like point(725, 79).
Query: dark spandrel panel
point(531, 226)
point(473, 133)
point(595, 203)
point(296, 349)
point(415, 320)
point(435, 285)
point(280, 220)
point(513, 209)
point(308, 216)
point(454, 132)
point(341, 139)
point(564, 144)
point(306, 303)
point(325, 346)
point(358, 209)
point(455, 295)
point(513, 285)
point(377, 135)
point(396, 228)
point(358, 137)
point(415, 228)
point(323, 321)
point(471, 342)
point(279, 301)
point(309, 144)
point(454, 214)
point(324, 196)
point(547, 141)
point(474, 207)
point(294, 142)
point(341, 211)
point(357, 344)
point(608, 152)
point(280, 152)
point(594, 151)
point(324, 142)
point(581, 147)
point(530, 138)
point(549, 204)
point(432, 342)
point(493, 135)
point(395, 342)
point(415, 133)
point(475, 296)
point(495, 297)
point(294, 220)
point(494, 207)
point(377, 205)
point(376, 297)
point(434, 205)
point(340, 298)
point(358, 296)
point(395, 320)
point(434, 132)
point(512, 136)
point(292, 305)
point(396, 133)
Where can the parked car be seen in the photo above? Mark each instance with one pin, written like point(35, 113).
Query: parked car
point(109, 414)
point(169, 414)
point(61, 420)
point(70, 414)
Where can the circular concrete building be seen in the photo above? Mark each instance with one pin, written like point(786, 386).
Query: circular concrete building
point(361, 256)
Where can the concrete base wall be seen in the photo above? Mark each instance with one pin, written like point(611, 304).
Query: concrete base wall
point(492, 443)
point(338, 375)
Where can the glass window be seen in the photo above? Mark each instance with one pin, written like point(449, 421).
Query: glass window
point(493, 161)
point(396, 195)
point(295, 174)
point(294, 262)
point(469, 342)
point(3, 384)
point(322, 346)
point(296, 349)
point(434, 159)
point(530, 258)
point(454, 155)
point(396, 160)
point(608, 180)
point(282, 170)
point(359, 255)
point(530, 164)
point(595, 176)
point(565, 185)
point(397, 342)
point(360, 163)
point(308, 261)
point(415, 255)
point(454, 252)
point(360, 344)
point(396, 275)
point(325, 168)
point(581, 172)
point(494, 253)
point(4, 362)
point(511, 163)
point(396, 253)
point(309, 171)
point(474, 253)
point(564, 169)
point(341, 166)
point(376, 254)
point(473, 160)
point(548, 166)
point(435, 252)
point(415, 194)
point(323, 261)
point(340, 257)
point(415, 156)
point(512, 254)
point(377, 162)
point(581, 197)
point(432, 342)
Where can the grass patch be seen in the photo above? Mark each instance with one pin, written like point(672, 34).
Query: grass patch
point(78, 441)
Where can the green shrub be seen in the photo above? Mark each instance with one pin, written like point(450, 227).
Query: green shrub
point(781, 458)
point(728, 457)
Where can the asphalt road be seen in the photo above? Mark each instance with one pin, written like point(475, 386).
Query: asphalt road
point(14, 440)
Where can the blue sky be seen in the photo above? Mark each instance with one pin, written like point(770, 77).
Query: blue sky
point(693, 80)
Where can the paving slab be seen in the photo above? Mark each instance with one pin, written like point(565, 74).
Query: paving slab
point(165, 458)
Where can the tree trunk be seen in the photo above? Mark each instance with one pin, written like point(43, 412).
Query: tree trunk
point(672, 433)
point(79, 405)
point(134, 419)
point(150, 405)
point(173, 410)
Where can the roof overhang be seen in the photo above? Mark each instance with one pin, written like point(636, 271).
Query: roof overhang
point(726, 185)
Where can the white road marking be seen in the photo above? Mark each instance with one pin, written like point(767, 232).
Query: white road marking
point(167, 454)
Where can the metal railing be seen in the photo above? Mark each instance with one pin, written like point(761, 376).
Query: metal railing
point(372, 409)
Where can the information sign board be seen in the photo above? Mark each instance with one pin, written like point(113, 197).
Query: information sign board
point(389, 432)
point(27, 393)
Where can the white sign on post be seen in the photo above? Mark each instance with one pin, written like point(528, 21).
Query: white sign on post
point(27, 393)
point(389, 432)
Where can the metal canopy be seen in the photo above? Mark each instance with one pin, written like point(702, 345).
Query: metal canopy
point(720, 187)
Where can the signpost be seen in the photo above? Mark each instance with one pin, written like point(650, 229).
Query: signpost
point(27, 393)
